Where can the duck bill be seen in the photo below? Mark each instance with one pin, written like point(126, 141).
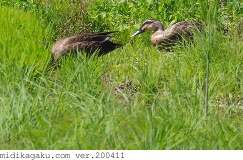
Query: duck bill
point(137, 33)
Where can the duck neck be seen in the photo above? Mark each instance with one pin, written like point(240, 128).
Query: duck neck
point(159, 28)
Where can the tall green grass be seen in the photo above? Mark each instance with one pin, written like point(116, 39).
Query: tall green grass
point(133, 98)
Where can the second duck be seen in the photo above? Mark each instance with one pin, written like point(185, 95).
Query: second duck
point(164, 39)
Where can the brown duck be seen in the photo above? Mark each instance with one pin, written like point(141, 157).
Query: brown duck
point(87, 42)
point(164, 39)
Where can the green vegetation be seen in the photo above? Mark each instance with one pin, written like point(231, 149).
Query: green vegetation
point(133, 98)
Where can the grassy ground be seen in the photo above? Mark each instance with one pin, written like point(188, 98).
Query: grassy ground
point(133, 98)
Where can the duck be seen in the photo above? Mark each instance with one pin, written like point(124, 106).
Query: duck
point(164, 39)
point(89, 43)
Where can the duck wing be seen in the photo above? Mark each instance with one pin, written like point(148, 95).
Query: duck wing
point(88, 42)
point(176, 31)
point(102, 47)
point(167, 38)
point(85, 37)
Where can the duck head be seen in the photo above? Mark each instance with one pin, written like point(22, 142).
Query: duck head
point(149, 25)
